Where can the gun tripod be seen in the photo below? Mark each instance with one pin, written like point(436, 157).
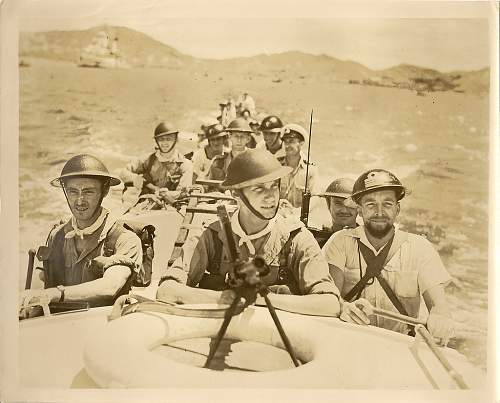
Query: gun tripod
point(231, 312)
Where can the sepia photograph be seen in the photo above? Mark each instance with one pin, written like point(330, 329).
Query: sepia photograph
point(265, 201)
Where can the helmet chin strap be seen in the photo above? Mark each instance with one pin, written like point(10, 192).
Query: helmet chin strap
point(170, 149)
point(244, 199)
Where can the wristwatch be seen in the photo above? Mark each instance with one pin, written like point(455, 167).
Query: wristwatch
point(61, 288)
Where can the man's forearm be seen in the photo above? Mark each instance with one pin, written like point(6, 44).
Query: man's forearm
point(106, 286)
point(173, 291)
point(312, 304)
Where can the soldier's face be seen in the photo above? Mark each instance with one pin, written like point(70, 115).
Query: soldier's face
point(264, 198)
point(379, 210)
point(270, 138)
point(217, 144)
point(341, 214)
point(166, 142)
point(292, 145)
point(239, 140)
point(84, 196)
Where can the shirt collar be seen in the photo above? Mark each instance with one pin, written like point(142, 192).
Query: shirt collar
point(175, 156)
point(400, 237)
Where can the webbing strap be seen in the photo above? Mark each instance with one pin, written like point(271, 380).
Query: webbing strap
point(374, 265)
point(374, 268)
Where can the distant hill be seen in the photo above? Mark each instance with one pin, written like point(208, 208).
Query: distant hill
point(136, 49)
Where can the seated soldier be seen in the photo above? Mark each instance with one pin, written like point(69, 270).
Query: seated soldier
point(240, 134)
point(293, 184)
point(402, 267)
point(271, 130)
point(163, 173)
point(298, 271)
point(203, 158)
point(343, 214)
point(91, 257)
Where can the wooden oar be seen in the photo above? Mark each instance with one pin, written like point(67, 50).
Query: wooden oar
point(422, 331)
point(429, 340)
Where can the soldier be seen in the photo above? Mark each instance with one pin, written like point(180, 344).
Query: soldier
point(297, 267)
point(402, 267)
point(91, 257)
point(245, 102)
point(343, 214)
point(293, 185)
point(163, 173)
point(240, 134)
point(203, 158)
point(271, 130)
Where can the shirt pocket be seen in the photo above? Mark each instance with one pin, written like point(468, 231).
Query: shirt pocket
point(406, 284)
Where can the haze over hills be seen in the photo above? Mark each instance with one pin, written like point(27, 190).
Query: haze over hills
point(136, 49)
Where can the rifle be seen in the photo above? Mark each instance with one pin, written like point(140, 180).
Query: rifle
point(245, 280)
point(306, 197)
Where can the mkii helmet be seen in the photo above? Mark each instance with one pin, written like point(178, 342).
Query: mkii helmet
point(271, 124)
point(84, 165)
point(252, 167)
point(377, 179)
point(163, 129)
point(239, 125)
point(341, 187)
point(214, 131)
point(294, 130)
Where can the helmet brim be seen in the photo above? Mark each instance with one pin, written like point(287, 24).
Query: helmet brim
point(278, 174)
point(239, 130)
point(157, 136)
point(113, 180)
point(223, 134)
point(401, 191)
point(337, 194)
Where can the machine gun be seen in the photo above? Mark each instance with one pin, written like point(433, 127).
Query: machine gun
point(246, 281)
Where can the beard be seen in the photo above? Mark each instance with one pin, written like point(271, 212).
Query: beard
point(378, 232)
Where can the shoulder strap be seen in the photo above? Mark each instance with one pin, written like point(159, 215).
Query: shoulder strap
point(283, 272)
point(218, 245)
point(149, 165)
point(374, 265)
point(388, 290)
point(112, 236)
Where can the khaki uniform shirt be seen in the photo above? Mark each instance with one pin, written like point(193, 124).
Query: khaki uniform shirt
point(304, 262)
point(413, 266)
point(293, 185)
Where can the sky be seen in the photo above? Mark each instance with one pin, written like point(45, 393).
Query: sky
point(443, 35)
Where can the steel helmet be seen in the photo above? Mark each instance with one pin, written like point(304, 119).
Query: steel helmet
point(253, 166)
point(294, 130)
point(271, 124)
point(341, 187)
point(377, 179)
point(84, 165)
point(163, 129)
point(214, 131)
point(239, 125)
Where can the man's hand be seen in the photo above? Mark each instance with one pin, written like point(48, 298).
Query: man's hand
point(31, 300)
point(440, 326)
point(356, 312)
point(166, 195)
